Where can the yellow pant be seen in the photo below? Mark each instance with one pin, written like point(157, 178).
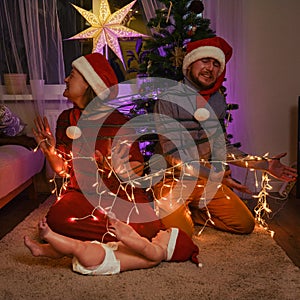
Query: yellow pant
point(188, 204)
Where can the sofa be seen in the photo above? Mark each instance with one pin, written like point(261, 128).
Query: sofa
point(18, 166)
point(19, 163)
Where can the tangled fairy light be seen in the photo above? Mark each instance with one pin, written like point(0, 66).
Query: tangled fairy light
point(164, 183)
point(261, 210)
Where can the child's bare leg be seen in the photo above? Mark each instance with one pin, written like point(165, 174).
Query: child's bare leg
point(88, 254)
point(38, 249)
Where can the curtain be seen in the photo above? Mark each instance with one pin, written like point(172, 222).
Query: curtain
point(149, 7)
point(31, 44)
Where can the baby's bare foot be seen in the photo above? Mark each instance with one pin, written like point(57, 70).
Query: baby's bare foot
point(44, 229)
point(34, 247)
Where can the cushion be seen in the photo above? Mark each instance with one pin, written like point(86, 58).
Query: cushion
point(17, 165)
point(10, 124)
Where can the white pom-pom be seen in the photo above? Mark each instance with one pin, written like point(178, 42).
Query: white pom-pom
point(73, 132)
point(201, 114)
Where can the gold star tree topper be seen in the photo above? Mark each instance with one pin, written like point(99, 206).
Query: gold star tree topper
point(106, 28)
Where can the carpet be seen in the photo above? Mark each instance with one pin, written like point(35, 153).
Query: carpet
point(234, 267)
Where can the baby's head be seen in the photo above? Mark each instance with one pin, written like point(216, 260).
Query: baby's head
point(181, 247)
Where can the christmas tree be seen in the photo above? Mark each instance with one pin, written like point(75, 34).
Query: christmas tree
point(173, 26)
point(178, 23)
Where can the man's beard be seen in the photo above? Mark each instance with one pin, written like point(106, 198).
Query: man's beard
point(198, 83)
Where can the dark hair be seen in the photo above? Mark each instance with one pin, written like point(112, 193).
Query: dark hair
point(90, 93)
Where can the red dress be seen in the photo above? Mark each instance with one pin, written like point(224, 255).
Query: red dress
point(80, 197)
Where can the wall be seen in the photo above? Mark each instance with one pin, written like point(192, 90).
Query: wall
point(25, 105)
point(272, 74)
point(264, 35)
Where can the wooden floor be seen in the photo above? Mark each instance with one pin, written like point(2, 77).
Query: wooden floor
point(286, 224)
point(284, 220)
point(17, 210)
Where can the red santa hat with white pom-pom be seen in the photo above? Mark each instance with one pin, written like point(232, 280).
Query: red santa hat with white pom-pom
point(181, 247)
point(98, 73)
point(214, 47)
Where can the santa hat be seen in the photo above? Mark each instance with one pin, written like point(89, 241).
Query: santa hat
point(181, 247)
point(98, 73)
point(214, 47)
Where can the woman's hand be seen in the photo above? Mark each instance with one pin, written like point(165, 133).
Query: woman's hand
point(117, 159)
point(46, 143)
point(43, 134)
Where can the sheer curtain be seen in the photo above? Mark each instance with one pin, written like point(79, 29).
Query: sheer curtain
point(31, 44)
point(149, 7)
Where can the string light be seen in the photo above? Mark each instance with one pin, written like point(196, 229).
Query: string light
point(261, 210)
point(39, 144)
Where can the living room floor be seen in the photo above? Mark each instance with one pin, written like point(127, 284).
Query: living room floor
point(286, 225)
point(285, 221)
point(17, 210)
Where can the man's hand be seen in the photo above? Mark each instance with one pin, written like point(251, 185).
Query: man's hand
point(233, 184)
point(280, 171)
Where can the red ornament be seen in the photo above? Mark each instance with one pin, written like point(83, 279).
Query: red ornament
point(190, 33)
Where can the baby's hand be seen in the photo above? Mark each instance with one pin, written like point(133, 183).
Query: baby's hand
point(119, 229)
